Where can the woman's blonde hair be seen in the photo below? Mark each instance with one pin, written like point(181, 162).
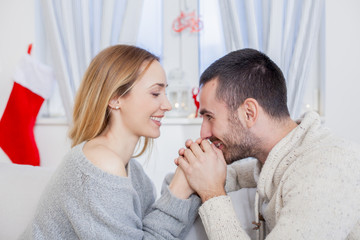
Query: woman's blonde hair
point(112, 73)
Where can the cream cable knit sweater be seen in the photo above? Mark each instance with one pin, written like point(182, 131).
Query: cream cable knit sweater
point(308, 188)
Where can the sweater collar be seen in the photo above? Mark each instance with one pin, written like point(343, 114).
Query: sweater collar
point(284, 153)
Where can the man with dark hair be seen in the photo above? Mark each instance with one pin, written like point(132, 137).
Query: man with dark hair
point(307, 180)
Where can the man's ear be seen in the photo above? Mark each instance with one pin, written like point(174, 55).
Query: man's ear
point(115, 103)
point(249, 111)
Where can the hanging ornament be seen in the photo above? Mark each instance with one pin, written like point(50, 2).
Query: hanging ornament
point(187, 20)
point(195, 93)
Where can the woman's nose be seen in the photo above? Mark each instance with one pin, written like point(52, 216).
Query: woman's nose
point(166, 105)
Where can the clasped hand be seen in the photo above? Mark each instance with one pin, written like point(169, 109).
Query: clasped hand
point(204, 167)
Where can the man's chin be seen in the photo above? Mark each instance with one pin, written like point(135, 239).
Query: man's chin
point(229, 160)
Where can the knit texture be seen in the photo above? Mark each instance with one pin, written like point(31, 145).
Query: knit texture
point(84, 202)
point(308, 188)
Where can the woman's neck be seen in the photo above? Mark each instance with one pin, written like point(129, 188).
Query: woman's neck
point(120, 141)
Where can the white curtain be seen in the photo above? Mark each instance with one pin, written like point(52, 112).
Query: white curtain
point(285, 30)
point(70, 33)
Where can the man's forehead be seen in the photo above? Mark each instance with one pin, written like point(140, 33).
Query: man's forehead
point(209, 103)
point(211, 83)
point(208, 89)
point(206, 97)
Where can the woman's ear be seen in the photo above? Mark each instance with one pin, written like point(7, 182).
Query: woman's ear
point(114, 103)
point(250, 111)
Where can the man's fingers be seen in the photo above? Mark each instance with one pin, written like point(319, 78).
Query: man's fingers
point(206, 146)
point(189, 155)
point(197, 151)
point(183, 164)
point(217, 150)
point(188, 143)
point(219, 153)
point(198, 141)
point(181, 151)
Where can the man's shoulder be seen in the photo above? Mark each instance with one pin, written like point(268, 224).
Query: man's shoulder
point(333, 147)
point(330, 157)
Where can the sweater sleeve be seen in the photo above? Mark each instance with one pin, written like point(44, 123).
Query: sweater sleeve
point(117, 214)
point(241, 174)
point(181, 214)
point(220, 221)
point(170, 217)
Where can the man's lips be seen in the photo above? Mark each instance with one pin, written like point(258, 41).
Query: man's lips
point(217, 144)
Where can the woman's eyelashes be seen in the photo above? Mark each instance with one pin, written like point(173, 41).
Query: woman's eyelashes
point(158, 93)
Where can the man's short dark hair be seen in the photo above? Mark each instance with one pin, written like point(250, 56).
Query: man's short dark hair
point(248, 73)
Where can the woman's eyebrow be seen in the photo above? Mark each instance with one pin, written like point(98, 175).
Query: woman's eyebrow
point(159, 84)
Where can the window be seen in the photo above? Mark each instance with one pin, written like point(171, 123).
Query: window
point(186, 54)
point(212, 45)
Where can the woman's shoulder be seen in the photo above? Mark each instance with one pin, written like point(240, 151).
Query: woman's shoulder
point(105, 159)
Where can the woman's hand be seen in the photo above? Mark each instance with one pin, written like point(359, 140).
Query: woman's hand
point(179, 186)
point(204, 167)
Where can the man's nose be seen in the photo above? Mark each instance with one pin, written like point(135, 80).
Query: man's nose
point(205, 131)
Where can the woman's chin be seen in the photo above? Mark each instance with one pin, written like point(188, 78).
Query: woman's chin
point(153, 135)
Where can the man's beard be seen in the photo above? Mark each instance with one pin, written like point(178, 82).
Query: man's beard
point(239, 142)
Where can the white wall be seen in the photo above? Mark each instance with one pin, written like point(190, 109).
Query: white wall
point(17, 32)
point(342, 84)
point(343, 68)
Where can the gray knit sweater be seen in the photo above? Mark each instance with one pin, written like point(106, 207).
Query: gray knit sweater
point(83, 202)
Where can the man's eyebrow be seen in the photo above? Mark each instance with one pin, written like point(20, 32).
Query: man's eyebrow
point(204, 111)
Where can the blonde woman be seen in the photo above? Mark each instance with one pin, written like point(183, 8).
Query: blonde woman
point(99, 191)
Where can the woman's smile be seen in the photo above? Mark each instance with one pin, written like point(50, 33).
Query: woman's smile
point(157, 120)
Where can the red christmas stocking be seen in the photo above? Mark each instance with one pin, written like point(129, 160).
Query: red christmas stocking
point(33, 83)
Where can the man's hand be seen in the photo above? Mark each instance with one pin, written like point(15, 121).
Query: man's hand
point(204, 167)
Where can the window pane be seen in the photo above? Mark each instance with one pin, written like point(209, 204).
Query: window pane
point(150, 31)
point(149, 38)
point(211, 37)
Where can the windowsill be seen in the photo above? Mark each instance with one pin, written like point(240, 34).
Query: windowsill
point(53, 121)
point(42, 121)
